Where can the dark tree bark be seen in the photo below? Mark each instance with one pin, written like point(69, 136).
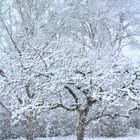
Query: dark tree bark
point(81, 125)
point(29, 131)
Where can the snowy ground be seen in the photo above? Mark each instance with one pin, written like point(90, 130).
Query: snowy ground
point(74, 138)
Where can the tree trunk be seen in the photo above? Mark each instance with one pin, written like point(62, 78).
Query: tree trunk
point(81, 125)
point(29, 130)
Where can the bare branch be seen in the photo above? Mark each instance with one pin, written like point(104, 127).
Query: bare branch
point(79, 72)
point(113, 116)
point(55, 106)
point(72, 93)
point(14, 43)
point(134, 109)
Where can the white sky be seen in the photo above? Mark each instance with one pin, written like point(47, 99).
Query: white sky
point(134, 54)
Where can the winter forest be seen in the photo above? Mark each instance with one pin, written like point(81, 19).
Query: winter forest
point(69, 69)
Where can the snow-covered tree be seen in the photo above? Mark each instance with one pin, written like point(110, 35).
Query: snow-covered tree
point(65, 54)
point(31, 30)
point(93, 70)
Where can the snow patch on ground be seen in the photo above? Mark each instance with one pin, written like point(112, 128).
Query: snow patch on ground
point(74, 138)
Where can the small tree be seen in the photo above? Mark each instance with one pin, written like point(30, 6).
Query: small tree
point(31, 30)
point(84, 95)
point(92, 68)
